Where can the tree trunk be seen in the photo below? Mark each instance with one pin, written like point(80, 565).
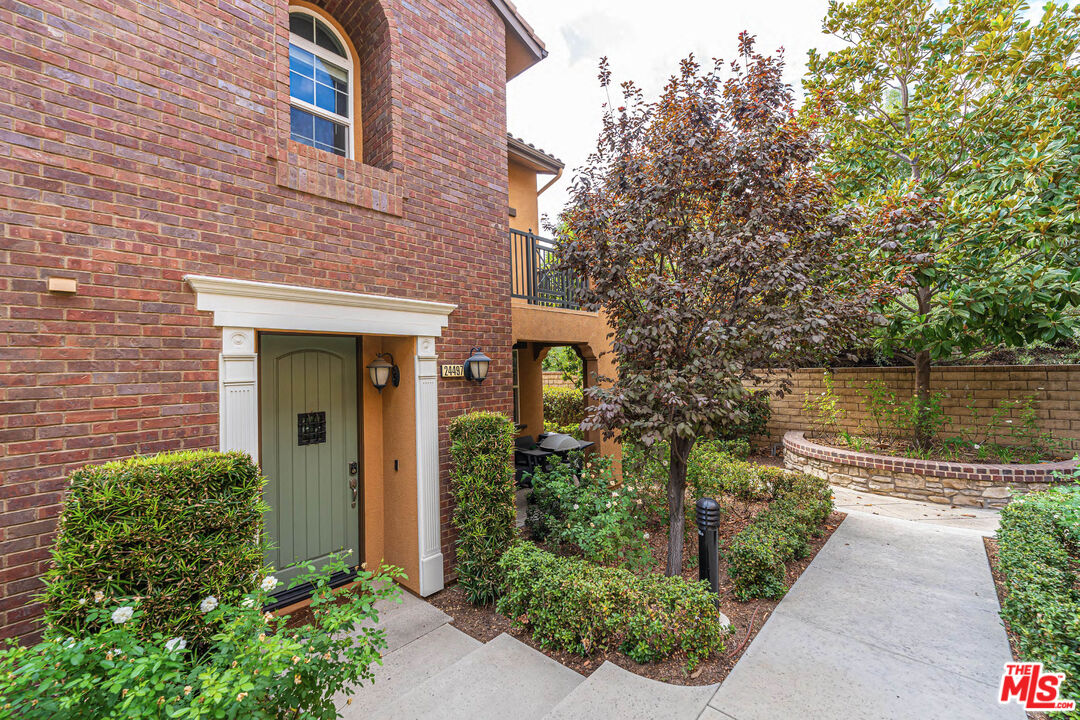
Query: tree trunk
point(923, 436)
point(676, 494)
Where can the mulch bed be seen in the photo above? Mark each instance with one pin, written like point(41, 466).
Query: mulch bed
point(999, 582)
point(483, 623)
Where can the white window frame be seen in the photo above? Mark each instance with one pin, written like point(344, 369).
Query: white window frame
point(335, 60)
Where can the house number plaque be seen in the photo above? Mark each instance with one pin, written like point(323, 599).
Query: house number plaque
point(453, 371)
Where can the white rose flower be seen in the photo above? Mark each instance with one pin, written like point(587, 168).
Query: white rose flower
point(646, 536)
point(209, 603)
point(98, 596)
point(248, 602)
point(177, 643)
point(269, 583)
point(122, 614)
point(575, 506)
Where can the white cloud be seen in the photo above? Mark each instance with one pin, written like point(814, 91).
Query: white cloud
point(556, 104)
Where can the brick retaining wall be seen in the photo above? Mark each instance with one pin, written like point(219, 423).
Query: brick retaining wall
point(982, 485)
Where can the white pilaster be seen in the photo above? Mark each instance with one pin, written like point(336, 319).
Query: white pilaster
point(427, 467)
point(238, 391)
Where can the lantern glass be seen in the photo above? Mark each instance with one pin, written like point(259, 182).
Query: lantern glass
point(476, 367)
point(379, 370)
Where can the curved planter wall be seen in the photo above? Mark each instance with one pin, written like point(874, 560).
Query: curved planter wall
point(954, 483)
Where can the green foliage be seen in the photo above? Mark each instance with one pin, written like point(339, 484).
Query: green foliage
point(563, 406)
point(751, 420)
point(249, 667)
point(170, 529)
point(482, 481)
point(574, 430)
point(799, 506)
point(823, 410)
point(1038, 555)
point(571, 604)
point(953, 126)
point(564, 360)
point(647, 467)
point(586, 511)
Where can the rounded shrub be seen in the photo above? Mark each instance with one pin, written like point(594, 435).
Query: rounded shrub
point(563, 405)
point(169, 529)
point(482, 481)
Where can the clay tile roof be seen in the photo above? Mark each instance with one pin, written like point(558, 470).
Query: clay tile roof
point(536, 157)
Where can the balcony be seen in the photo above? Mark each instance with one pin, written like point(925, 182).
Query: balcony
point(534, 277)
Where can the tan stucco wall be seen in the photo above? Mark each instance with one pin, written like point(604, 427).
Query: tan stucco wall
point(389, 434)
point(588, 331)
point(523, 197)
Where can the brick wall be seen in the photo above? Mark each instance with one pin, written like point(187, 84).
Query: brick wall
point(1056, 389)
point(142, 141)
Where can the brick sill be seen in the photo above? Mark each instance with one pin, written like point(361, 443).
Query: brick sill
point(316, 172)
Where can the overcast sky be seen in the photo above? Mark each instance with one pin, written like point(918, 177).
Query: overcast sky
point(556, 104)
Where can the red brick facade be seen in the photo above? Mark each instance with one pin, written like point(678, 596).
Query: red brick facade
point(140, 142)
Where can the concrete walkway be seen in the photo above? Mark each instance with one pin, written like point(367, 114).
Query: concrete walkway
point(984, 522)
point(893, 620)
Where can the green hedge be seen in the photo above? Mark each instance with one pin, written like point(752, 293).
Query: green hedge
point(571, 604)
point(171, 529)
point(482, 481)
point(1038, 553)
point(797, 510)
point(563, 405)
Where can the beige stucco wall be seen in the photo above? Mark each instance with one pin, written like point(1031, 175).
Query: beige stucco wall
point(523, 197)
point(554, 326)
point(389, 433)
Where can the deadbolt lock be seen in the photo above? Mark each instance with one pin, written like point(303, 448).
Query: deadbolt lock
point(354, 468)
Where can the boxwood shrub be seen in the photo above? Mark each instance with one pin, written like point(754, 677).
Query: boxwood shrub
point(482, 481)
point(797, 509)
point(563, 406)
point(574, 605)
point(170, 529)
point(1038, 555)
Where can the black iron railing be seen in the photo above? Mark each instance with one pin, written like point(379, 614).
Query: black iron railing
point(535, 278)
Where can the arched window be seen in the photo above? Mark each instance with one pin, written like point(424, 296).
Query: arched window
point(321, 84)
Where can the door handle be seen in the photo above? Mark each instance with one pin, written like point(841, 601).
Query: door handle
point(355, 487)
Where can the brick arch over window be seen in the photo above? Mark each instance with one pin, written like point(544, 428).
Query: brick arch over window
point(373, 31)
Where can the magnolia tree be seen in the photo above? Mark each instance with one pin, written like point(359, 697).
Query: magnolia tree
point(955, 127)
point(715, 252)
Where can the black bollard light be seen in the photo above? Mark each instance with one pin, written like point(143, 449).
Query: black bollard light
point(708, 524)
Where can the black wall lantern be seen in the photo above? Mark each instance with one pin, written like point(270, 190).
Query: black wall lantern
point(476, 367)
point(384, 370)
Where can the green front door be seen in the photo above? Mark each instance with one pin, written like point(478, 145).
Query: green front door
point(309, 449)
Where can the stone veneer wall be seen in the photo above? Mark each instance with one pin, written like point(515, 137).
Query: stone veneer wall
point(1055, 388)
point(982, 485)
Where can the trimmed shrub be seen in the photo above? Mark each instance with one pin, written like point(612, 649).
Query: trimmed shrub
point(571, 604)
point(482, 481)
point(563, 406)
point(170, 529)
point(571, 430)
point(799, 506)
point(758, 412)
point(1038, 556)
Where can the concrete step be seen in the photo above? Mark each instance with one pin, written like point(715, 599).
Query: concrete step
point(408, 620)
point(405, 668)
point(504, 679)
point(613, 693)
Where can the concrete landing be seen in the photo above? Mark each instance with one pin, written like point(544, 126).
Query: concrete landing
point(893, 620)
point(979, 520)
point(612, 693)
point(405, 668)
point(504, 679)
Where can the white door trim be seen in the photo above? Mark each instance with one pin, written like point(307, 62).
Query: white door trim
point(241, 307)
